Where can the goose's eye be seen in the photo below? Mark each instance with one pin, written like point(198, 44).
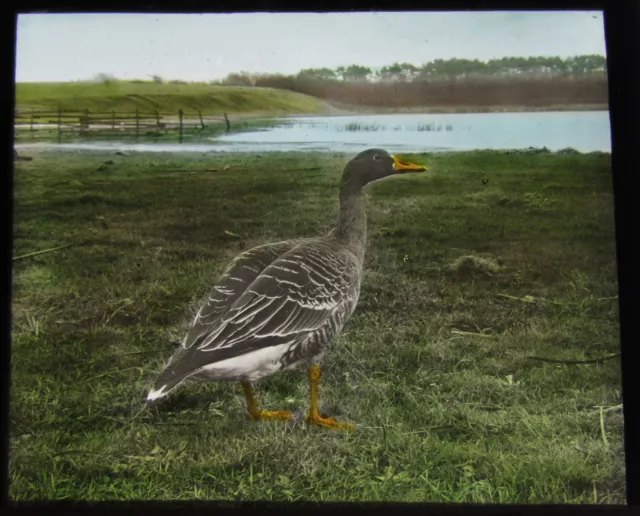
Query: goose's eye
point(377, 157)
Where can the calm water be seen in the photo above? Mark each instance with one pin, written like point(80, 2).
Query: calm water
point(585, 131)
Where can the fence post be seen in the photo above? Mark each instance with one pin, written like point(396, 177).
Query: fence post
point(113, 120)
point(32, 117)
point(137, 124)
point(59, 123)
point(83, 120)
point(226, 119)
point(180, 115)
point(201, 120)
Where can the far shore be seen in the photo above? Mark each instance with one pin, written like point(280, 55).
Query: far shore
point(337, 110)
point(344, 110)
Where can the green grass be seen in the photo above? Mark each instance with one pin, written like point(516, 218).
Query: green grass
point(440, 416)
point(127, 96)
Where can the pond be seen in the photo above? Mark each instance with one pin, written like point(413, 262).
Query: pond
point(585, 131)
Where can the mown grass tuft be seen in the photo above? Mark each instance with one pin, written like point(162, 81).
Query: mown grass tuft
point(464, 280)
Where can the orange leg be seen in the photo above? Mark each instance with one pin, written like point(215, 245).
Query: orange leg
point(313, 416)
point(255, 412)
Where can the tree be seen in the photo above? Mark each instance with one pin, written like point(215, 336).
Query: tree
point(323, 74)
point(401, 72)
point(239, 79)
point(104, 78)
point(355, 73)
point(452, 68)
point(586, 64)
point(394, 72)
point(390, 73)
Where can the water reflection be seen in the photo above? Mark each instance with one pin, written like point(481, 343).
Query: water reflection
point(585, 131)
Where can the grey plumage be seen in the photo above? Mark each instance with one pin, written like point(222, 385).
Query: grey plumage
point(280, 305)
point(298, 293)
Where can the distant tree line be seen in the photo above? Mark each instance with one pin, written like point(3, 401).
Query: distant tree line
point(443, 69)
point(537, 82)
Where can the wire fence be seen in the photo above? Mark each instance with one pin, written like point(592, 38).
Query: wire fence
point(60, 123)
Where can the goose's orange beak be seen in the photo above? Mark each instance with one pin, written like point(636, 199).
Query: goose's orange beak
point(405, 166)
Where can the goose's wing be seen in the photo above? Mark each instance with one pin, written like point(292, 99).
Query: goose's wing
point(295, 295)
point(235, 279)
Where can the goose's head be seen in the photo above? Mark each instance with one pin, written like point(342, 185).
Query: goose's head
point(374, 164)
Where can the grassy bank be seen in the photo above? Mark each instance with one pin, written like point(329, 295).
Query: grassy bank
point(127, 96)
point(464, 280)
point(287, 95)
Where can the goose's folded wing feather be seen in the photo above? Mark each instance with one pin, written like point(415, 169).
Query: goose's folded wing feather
point(235, 279)
point(293, 296)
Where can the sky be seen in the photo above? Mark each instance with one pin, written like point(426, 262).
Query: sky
point(204, 47)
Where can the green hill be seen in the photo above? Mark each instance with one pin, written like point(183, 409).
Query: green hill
point(127, 96)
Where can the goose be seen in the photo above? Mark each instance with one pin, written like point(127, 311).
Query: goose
point(278, 306)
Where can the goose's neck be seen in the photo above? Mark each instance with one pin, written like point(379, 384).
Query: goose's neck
point(352, 221)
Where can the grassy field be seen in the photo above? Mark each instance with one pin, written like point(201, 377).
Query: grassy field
point(127, 96)
point(464, 281)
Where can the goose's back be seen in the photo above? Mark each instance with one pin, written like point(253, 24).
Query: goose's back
point(275, 306)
